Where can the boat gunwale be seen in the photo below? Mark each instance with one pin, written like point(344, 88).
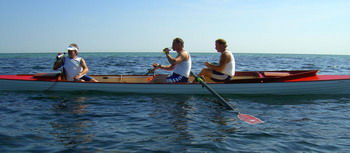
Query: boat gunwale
point(181, 83)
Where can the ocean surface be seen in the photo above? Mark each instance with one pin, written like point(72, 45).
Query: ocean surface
point(91, 122)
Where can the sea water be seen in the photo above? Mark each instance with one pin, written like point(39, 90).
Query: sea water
point(110, 122)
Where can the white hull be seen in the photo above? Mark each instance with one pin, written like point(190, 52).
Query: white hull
point(279, 88)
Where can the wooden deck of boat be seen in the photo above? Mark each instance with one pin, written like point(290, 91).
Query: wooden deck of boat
point(240, 77)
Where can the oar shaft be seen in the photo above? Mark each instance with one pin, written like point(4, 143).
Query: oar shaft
point(244, 117)
point(223, 101)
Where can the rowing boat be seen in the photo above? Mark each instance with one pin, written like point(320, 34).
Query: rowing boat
point(246, 82)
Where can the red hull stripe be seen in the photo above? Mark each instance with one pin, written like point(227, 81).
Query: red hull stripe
point(17, 77)
point(322, 78)
point(22, 77)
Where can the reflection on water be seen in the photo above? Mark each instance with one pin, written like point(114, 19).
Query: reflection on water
point(150, 123)
point(194, 119)
point(180, 119)
point(70, 123)
point(71, 106)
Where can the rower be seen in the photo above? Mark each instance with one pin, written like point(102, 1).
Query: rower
point(74, 67)
point(180, 65)
point(225, 70)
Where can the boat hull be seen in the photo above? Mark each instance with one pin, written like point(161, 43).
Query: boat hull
point(337, 86)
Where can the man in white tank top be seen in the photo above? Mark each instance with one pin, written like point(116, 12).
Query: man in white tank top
point(181, 64)
point(74, 67)
point(225, 70)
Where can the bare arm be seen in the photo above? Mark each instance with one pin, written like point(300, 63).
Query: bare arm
point(173, 61)
point(224, 59)
point(164, 67)
point(84, 66)
point(176, 60)
point(85, 69)
point(57, 64)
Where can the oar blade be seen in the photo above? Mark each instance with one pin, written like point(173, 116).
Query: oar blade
point(249, 119)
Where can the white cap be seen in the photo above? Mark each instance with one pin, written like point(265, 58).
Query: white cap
point(72, 48)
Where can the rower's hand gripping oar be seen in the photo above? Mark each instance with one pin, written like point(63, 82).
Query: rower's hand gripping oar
point(244, 117)
point(150, 71)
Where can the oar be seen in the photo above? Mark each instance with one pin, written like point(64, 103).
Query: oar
point(244, 117)
point(150, 71)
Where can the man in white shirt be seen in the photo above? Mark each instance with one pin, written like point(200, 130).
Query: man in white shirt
point(225, 70)
point(181, 64)
point(74, 67)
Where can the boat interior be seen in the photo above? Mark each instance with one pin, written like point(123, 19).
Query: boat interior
point(157, 78)
point(240, 77)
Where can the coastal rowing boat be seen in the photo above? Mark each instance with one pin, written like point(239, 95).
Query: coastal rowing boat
point(246, 82)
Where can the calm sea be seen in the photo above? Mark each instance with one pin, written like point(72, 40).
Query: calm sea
point(109, 122)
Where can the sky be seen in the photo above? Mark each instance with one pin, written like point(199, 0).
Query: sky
point(248, 26)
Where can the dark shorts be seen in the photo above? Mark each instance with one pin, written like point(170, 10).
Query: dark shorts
point(176, 78)
point(220, 77)
point(86, 78)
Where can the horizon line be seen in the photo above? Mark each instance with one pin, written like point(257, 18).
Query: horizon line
point(173, 52)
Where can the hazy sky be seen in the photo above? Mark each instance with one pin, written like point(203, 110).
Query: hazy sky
point(249, 26)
